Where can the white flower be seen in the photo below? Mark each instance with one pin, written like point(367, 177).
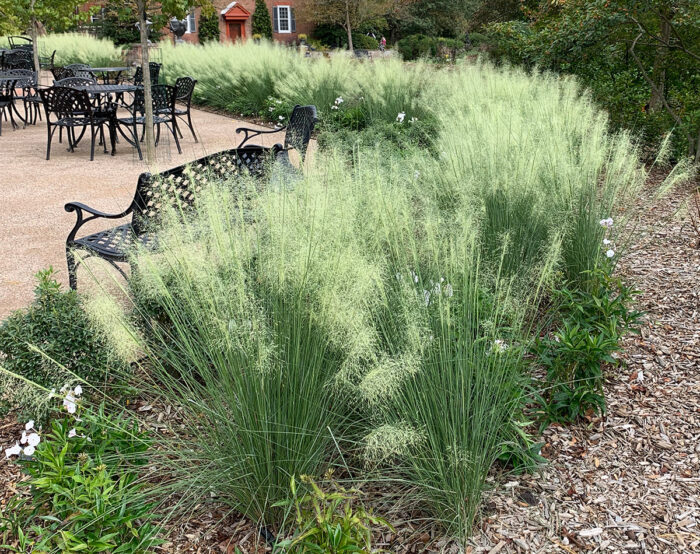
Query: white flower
point(281, 118)
point(29, 425)
point(334, 107)
point(401, 117)
point(413, 120)
point(606, 242)
point(23, 440)
point(271, 109)
point(72, 433)
point(78, 390)
point(64, 389)
point(610, 253)
point(33, 440)
point(278, 101)
point(501, 345)
point(29, 450)
point(607, 222)
point(69, 403)
point(15, 450)
point(416, 174)
point(339, 100)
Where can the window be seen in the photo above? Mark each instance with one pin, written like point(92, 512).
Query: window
point(99, 16)
point(283, 17)
point(191, 22)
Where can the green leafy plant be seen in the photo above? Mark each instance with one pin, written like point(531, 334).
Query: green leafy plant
point(209, 23)
point(49, 341)
point(84, 489)
point(593, 323)
point(329, 522)
point(262, 22)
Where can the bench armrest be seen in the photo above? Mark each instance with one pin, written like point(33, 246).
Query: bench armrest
point(250, 133)
point(80, 210)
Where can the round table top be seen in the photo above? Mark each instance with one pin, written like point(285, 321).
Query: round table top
point(108, 69)
point(107, 89)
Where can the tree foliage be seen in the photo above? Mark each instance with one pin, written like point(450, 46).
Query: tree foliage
point(262, 24)
point(208, 23)
point(639, 57)
point(118, 23)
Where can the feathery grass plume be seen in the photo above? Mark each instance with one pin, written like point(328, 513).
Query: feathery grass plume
point(81, 48)
point(389, 442)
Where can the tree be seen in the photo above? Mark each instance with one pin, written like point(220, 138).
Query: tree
point(117, 23)
point(165, 10)
point(262, 24)
point(349, 14)
point(35, 15)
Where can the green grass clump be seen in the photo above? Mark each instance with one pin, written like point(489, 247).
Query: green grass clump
point(80, 48)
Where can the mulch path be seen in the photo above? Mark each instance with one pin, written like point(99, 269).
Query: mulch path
point(625, 483)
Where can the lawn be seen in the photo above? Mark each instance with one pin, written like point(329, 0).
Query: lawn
point(379, 344)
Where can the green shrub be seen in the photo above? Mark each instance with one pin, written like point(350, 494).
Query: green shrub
point(364, 42)
point(84, 493)
point(50, 343)
point(209, 23)
point(593, 324)
point(329, 521)
point(262, 23)
point(417, 46)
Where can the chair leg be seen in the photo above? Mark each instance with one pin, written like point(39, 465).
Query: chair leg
point(48, 143)
point(72, 269)
point(189, 124)
point(93, 132)
point(157, 134)
point(173, 127)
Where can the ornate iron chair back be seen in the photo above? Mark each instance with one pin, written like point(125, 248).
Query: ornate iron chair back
point(153, 69)
point(19, 42)
point(184, 87)
point(301, 125)
point(65, 102)
point(25, 77)
point(178, 187)
point(18, 59)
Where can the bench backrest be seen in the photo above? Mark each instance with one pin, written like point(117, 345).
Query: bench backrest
point(178, 187)
point(301, 125)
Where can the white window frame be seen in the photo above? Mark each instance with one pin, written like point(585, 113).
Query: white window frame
point(191, 20)
point(288, 19)
point(98, 17)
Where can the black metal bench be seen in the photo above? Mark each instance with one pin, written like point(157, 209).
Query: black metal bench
point(154, 194)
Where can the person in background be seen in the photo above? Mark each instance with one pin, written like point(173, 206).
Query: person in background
point(382, 44)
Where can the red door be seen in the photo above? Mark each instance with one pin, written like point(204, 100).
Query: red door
point(235, 30)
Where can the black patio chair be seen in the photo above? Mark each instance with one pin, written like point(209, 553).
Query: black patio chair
point(153, 69)
point(163, 97)
point(75, 82)
point(298, 132)
point(184, 87)
point(7, 93)
point(177, 187)
point(18, 59)
point(60, 73)
point(19, 42)
point(47, 62)
point(26, 83)
point(71, 109)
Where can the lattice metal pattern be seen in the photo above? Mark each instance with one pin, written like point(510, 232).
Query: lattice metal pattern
point(301, 125)
point(116, 242)
point(66, 102)
point(153, 69)
point(179, 187)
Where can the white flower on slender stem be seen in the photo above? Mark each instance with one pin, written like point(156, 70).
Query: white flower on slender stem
point(271, 109)
point(78, 390)
point(413, 120)
point(29, 425)
point(33, 440)
point(606, 242)
point(72, 433)
point(610, 253)
point(607, 222)
point(281, 118)
point(23, 440)
point(15, 450)
point(401, 117)
point(334, 107)
point(29, 450)
point(69, 403)
point(339, 100)
point(501, 345)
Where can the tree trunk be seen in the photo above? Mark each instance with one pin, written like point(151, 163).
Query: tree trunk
point(35, 43)
point(659, 70)
point(150, 146)
point(348, 28)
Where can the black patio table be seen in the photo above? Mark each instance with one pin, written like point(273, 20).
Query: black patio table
point(100, 92)
point(106, 71)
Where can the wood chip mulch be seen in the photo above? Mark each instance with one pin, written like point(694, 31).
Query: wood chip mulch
point(625, 483)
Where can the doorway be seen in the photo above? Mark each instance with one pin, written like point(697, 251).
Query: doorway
point(235, 30)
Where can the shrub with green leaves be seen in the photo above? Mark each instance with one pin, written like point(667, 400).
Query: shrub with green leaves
point(593, 323)
point(329, 522)
point(50, 342)
point(84, 493)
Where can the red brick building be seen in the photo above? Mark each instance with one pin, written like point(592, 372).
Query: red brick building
point(236, 21)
